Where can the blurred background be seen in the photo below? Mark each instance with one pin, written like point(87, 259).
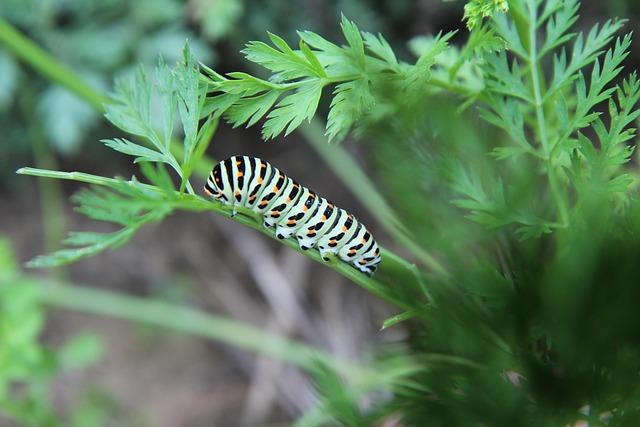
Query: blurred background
point(144, 376)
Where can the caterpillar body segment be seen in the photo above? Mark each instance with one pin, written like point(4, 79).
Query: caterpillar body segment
point(294, 210)
point(300, 211)
point(338, 235)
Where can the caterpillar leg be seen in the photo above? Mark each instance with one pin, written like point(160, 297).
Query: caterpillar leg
point(327, 255)
point(284, 232)
point(306, 242)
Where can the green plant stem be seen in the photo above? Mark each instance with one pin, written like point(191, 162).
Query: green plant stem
point(50, 192)
point(27, 51)
point(192, 321)
point(51, 197)
point(536, 81)
point(247, 217)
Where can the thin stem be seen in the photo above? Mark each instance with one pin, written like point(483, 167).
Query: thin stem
point(195, 322)
point(50, 192)
point(247, 217)
point(556, 191)
point(26, 50)
point(535, 79)
point(75, 176)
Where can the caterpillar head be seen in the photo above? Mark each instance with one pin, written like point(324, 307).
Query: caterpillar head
point(214, 184)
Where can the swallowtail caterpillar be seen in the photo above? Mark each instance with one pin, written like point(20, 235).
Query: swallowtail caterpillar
point(294, 210)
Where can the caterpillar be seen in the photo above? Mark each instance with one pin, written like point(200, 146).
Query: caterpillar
point(294, 210)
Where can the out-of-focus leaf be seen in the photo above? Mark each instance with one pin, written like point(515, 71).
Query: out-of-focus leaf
point(217, 17)
point(10, 77)
point(80, 351)
point(66, 118)
point(114, 41)
point(168, 44)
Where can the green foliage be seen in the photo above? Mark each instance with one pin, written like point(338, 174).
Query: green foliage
point(126, 203)
point(477, 10)
point(99, 40)
point(545, 115)
point(27, 367)
point(131, 111)
point(129, 203)
point(217, 17)
point(357, 70)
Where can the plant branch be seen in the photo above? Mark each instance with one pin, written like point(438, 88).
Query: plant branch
point(540, 115)
point(194, 322)
point(41, 61)
point(247, 217)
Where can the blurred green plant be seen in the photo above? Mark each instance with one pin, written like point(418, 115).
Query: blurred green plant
point(28, 367)
point(98, 40)
point(292, 93)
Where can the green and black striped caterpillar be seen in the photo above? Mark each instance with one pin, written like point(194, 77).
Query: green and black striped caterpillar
point(294, 210)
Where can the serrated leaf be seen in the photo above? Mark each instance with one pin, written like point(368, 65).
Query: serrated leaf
point(380, 47)
point(290, 112)
point(167, 99)
point(189, 100)
point(283, 61)
point(350, 101)
point(354, 40)
point(508, 32)
point(561, 17)
point(420, 74)
point(131, 106)
point(585, 51)
point(141, 154)
point(217, 105)
point(67, 256)
point(312, 59)
point(246, 85)
point(250, 109)
point(127, 203)
point(504, 78)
